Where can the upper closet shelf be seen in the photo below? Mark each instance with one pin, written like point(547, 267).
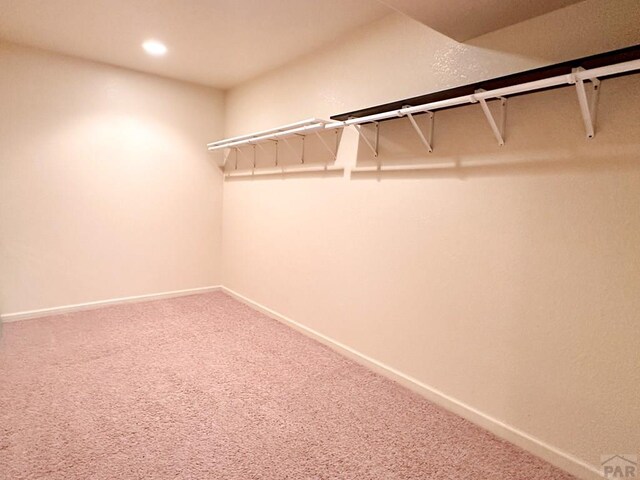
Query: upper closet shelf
point(572, 73)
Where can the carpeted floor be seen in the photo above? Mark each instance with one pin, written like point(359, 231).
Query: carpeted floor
point(203, 387)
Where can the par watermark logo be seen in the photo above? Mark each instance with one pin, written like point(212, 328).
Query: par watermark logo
point(620, 466)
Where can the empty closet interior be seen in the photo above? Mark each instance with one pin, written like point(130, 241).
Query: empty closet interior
point(364, 239)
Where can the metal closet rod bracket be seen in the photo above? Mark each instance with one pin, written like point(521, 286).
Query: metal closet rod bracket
point(238, 151)
point(275, 141)
point(253, 166)
point(304, 141)
point(428, 140)
point(334, 153)
point(374, 146)
point(497, 128)
point(588, 107)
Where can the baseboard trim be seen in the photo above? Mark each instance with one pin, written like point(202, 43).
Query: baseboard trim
point(551, 454)
point(45, 312)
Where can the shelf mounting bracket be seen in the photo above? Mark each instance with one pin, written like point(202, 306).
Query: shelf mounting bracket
point(333, 153)
point(428, 140)
point(304, 139)
point(497, 128)
point(254, 157)
point(241, 154)
point(276, 147)
point(588, 107)
point(373, 147)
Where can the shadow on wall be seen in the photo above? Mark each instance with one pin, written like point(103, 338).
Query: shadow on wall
point(544, 134)
point(308, 150)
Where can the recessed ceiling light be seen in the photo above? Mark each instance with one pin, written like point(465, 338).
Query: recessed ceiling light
point(154, 47)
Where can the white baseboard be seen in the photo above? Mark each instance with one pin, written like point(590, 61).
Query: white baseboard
point(44, 312)
point(551, 454)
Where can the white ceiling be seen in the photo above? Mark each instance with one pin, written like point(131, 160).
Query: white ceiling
point(466, 19)
point(225, 42)
point(213, 42)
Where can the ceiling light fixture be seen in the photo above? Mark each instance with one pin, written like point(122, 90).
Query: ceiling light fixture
point(154, 47)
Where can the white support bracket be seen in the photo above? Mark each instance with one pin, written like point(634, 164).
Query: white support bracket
point(276, 146)
point(373, 147)
point(496, 128)
point(304, 141)
point(428, 140)
point(326, 145)
point(239, 152)
point(254, 157)
point(265, 150)
point(588, 107)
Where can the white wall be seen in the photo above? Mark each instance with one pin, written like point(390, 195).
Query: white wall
point(507, 279)
point(106, 189)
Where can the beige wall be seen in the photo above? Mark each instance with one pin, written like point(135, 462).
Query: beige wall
point(106, 189)
point(508, 278)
